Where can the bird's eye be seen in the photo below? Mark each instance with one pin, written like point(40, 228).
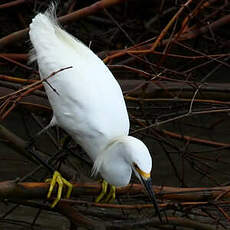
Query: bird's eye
point(135, 166)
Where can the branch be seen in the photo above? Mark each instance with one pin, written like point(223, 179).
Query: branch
point(213, 26)
point(175, 221)
point(32, 190)
point(194, 139)
point(10, 4)
point(165, 30)
point(10, 100)
point(92, 9)
point(78, 218)
point(20, 191)
point(18, 144)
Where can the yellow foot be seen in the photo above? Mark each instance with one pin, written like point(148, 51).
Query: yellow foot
point(57, 178)
point(112, 194)
point(104, 196)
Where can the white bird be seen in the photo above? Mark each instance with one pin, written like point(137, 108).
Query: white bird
point(89, 105)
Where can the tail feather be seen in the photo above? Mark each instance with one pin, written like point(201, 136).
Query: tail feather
point(46, 34)
point(45, 21)
point(42, 33)
point(53, 47)
point(41, 26)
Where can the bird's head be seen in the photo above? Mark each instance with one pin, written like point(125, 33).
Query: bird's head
point(123, 155)
point(141, 162)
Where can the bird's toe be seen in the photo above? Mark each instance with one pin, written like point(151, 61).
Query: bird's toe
point(58, 179)
point(104, 187)
point(112, 195)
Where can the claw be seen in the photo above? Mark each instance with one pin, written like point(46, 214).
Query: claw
point(104, 187)
point(57, 178)
point(110, 196)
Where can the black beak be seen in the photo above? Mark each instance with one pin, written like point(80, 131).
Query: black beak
point(148, 186)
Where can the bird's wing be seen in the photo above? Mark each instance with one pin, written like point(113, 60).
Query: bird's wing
point(87, 101)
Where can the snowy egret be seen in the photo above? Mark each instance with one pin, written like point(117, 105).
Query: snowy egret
point(88, 104)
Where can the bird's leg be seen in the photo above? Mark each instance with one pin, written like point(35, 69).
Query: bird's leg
point(51, 124)
point(104, 190)
point(104, 187)
point(33, 139)
point(112, 194)
point(29, 148)
point(43, 130)
point(57, 178)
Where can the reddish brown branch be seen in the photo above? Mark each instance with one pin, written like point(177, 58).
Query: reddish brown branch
point(190, 33)
point(16, 79)
point(194, 33)
point(100, 5)
point(15, 62)
point(30, 190)
point(12, 99)
point(15, 56)
point(194, 139)
point(10, 4)
point(165, 30)
point(12, 190)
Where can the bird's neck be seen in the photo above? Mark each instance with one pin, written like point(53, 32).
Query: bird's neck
point(113, 165)
point(95, 146)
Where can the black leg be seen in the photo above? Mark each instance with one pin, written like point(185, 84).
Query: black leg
point(39, 159)
point(30, 149)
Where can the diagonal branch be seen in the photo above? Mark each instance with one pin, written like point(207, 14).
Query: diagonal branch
point(89, 10)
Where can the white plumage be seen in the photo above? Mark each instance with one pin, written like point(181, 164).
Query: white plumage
point(89, 105)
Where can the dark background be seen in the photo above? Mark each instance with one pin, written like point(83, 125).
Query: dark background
point(171, 83)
